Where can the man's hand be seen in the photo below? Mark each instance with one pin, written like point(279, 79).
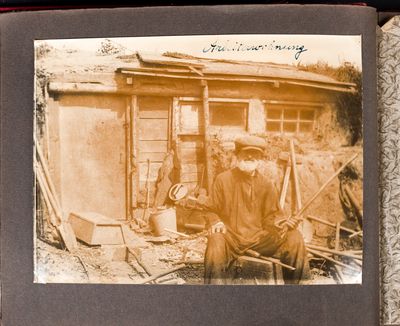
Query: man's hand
point(291, 223)
point(218, 227)
point(287, 225)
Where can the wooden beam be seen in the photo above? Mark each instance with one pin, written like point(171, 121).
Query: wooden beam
point(293, 103)
point(347, 88)
point(58, 87)
point(175, 120)
point(128, 164)
point(214, 99)
point(207, 137)
point(134, 175)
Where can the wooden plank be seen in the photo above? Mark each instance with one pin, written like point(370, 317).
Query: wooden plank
point(153, 129)
point(154, 103)
point(191, 120)
point(215, 99)
point(169, 61)
point(154, 157)
point(294, 103)
point(160, 146)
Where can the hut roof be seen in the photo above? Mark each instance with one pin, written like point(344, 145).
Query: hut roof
point(176, 65)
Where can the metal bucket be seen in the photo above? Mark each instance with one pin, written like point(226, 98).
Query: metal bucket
point(163, 218)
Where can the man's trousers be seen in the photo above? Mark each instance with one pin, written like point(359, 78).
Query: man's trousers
point(222, 251)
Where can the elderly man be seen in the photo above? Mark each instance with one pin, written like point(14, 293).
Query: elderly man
point(242, 210)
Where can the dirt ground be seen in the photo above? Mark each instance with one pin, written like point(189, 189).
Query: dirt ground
point(116, 265)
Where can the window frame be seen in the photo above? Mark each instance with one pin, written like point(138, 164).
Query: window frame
point(291, 105)
point(222, 100)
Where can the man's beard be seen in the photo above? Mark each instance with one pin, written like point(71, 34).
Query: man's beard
point(247, 167)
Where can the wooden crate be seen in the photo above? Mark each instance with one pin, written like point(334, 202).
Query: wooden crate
point(248, 269)
point(96, 229)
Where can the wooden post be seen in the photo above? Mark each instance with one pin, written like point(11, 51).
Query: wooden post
point(175, 119)
point(295, 176)
point(127, 126)
point(207, 138)
point(285, 186)
point(337, 236)
point(134, 175)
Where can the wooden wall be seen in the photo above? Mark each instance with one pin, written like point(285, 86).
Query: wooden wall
point(88, 134)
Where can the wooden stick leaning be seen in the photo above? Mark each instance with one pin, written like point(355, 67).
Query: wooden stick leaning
point(334, 252)
point(315, 252)
point(154, 277)
point(255, 254)
point(316, 194)
point(295, 175)
point(43, 164)
point(46, 184)
point(359, 233)
point(320, 220)
point(285, 187)
point(52, 213)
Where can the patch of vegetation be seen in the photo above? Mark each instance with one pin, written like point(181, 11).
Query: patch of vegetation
point(43, 50)
point(349, 113)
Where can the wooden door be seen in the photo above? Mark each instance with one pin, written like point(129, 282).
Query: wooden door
point(92, 154)
point(154, 141)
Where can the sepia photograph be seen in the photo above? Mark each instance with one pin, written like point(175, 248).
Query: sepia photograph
point(199, 159)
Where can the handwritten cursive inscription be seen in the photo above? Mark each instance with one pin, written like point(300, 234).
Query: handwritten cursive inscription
point(227, 46)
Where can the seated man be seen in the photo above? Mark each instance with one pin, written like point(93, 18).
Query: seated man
point(242, 210)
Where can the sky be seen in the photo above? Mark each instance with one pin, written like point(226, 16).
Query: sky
point(281, 49)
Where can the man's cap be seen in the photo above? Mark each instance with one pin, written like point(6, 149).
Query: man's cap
point(250, 142)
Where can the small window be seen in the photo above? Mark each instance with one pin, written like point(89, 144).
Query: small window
point(230, 115)
point(289, 118)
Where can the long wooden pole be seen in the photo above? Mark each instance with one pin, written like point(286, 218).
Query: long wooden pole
point(316, 194)
point(334, 251)
point(317, 253)
point(134, 178)
point(295, 176)
point(50, 183)
point(285, 187)
point(255, 254)
point(330, 223)
point(127, 159)
point(154, 277)
point(45, 187)
point(46, 198)
point(207, 137)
